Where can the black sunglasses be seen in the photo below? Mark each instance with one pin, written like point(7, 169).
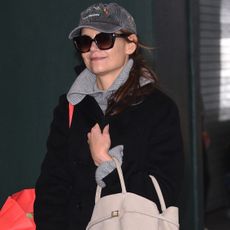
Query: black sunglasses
point(104, 41)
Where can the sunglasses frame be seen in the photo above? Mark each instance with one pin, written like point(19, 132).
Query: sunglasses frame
point(95, 39)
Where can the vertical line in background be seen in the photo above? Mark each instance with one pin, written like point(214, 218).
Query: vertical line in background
point(195, 119)
point(224, 108)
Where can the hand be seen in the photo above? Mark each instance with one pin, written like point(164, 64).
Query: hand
point(99, 144)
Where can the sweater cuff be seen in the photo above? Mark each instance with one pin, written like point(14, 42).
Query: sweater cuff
point(107, 167)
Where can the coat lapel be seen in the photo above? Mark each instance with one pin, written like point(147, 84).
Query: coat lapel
point(91, 111)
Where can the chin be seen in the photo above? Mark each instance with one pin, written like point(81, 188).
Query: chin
point(98, 71)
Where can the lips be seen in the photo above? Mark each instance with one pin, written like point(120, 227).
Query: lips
point(97, 58)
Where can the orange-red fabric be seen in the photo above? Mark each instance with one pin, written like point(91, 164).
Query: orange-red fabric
point(17, 212)
point(71, 108)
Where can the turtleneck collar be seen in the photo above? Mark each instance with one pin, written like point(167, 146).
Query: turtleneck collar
point(85, 84)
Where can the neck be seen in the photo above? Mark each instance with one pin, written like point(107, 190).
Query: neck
point(104, 81)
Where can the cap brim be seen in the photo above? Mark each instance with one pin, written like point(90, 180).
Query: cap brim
point(101, 27)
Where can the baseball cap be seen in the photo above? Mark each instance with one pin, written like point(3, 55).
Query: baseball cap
point(107, 18)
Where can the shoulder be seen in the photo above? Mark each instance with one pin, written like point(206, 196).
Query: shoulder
point(60, 112)
point(62, 103)
point(62, 100)
point(159, 99)
point(159, 107)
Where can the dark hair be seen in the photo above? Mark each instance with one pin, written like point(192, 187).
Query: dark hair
point(131, 91)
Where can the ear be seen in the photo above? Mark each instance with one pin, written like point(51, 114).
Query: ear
point(132, 45)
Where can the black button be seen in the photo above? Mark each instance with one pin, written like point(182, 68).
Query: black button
point(78, 205)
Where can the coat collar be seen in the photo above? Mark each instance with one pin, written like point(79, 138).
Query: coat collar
point(91, 111)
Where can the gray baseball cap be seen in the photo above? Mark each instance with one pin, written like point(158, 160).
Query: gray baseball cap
point(107, 18)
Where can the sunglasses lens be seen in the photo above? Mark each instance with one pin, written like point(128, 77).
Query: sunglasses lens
point(104, 41)
point(83, 43)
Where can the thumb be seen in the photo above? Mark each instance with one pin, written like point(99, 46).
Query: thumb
point(106, 129)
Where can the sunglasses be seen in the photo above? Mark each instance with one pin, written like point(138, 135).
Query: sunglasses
point(104, 41)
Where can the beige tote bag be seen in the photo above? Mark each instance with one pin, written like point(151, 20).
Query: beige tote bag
point(128, 211)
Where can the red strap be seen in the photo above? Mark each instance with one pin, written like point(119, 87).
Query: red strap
point(71, 109)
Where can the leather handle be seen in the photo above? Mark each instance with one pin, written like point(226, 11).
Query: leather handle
point(123, 187)
point(159, 192)
point(121, 178)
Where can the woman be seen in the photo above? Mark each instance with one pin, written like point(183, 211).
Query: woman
point(118, 111)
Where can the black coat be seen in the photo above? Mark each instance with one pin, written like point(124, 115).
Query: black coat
point(151, 136)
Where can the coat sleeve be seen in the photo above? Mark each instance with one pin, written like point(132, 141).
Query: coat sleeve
point(165, 157)
point(54, 183)
point(162, 157)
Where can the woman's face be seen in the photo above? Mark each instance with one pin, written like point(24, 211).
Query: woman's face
point(107, 62)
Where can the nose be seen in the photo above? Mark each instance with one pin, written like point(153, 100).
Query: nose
point(93, 46)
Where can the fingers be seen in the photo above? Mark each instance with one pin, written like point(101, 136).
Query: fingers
point(96, 128)
point(99, 143)
point(94, 131)
point(106, 129)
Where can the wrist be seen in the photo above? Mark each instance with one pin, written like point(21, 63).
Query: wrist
point(103, 157)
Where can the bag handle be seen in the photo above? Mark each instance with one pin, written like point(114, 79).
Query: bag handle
point(159, 192)
point(123, 187)
point(121, 178)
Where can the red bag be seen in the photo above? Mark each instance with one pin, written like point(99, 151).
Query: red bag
point(17, 212)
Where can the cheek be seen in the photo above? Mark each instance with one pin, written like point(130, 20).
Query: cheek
point(122, 50)
point(85, 58)
point(120, 54)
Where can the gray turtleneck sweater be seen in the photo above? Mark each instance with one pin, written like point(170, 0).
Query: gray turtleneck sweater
point(85, 84)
